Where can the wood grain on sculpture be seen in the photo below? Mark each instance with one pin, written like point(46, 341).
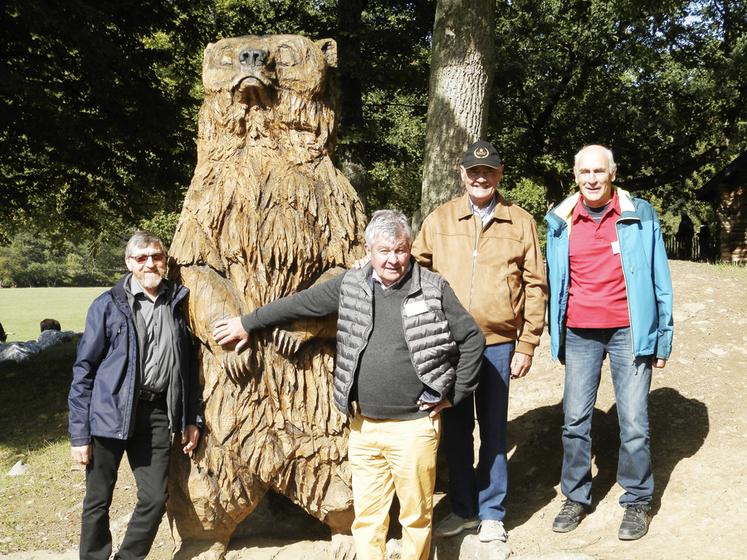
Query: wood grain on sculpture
point(266, 214)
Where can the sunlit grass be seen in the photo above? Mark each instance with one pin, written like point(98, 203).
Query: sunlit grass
point(21, 309)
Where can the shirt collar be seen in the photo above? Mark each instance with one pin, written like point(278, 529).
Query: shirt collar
point(500, 208)
point(484, 213)
point(580, 210)
point(375, 278)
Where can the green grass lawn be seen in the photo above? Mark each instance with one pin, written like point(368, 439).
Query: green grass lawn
point(21, 309)
point(41, 509)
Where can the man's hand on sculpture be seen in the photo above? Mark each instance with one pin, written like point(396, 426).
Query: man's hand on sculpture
point(82, 454)
point(229, 331)
point(436, 407)
point(190, 437)
point(520, 365)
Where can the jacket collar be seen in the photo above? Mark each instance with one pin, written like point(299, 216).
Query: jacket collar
point(564, 210)
point(121, 293)
point(500, 213)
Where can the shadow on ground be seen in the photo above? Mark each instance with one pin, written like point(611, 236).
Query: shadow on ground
point(33, 400)
point(679, 427)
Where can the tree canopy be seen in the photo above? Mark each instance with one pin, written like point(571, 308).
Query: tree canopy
point(98, 99)
point(660, 82)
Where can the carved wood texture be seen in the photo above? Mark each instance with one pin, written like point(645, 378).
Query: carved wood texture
point(266, 214)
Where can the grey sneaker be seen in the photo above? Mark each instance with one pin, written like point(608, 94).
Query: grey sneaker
point(492, 530)
point(570, 515)
point(635, 522)
point(452, 525)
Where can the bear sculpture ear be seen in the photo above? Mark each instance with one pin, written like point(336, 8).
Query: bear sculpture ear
point(329, 51)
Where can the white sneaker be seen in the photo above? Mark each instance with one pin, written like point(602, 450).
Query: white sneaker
point(492, 530)
point(453, 524)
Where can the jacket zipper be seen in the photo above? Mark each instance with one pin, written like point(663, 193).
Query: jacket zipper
point(627, 290)
point(478, 232)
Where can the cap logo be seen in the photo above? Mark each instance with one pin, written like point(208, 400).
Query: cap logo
point(481, 152)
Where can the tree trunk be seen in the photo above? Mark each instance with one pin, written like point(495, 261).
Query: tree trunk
point(461, 77)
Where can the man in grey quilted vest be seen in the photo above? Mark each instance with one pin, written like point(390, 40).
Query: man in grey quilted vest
point(406, 349)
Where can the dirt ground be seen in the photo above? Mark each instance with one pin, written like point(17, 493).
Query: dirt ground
point(698, 412)
point(698, 438)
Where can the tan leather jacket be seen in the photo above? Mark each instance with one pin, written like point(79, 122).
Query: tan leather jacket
point(496, 271)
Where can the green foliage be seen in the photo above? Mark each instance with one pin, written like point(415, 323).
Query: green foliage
point(88, 130)
point(392, 72)
point(394, 166)
point(98, 119)
point(32, 260)
point(163, 224)
point(531, 197)
point(661, 83)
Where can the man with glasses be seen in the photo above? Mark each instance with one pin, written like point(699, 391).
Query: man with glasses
point(134, 383)
point(610, 294)
point(487, 249)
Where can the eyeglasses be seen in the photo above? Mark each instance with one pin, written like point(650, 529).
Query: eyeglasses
point(142, 259)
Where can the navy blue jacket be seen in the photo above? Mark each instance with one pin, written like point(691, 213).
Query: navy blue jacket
point(103, 395)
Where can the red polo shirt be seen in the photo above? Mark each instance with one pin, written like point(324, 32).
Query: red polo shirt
point(597, 297)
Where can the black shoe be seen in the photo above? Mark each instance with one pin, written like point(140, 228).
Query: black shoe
point(635, 522)
point(571, 514)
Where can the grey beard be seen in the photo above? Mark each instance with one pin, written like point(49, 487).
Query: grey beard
point(150, 280)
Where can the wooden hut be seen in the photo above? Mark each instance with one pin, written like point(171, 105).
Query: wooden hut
point(727, 191)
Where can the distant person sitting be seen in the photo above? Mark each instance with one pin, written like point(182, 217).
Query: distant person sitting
point(52, 334)
point(3, 334)
point(18, 351)
point(50, 325)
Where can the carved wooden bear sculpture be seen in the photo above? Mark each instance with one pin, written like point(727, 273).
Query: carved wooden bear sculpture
point(266, 215)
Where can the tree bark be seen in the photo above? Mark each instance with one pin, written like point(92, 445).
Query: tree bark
point(462, 71)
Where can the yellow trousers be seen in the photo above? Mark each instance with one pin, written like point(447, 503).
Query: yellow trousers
point(388, 456)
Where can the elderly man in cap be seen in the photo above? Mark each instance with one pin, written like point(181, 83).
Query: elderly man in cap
point(488, 251)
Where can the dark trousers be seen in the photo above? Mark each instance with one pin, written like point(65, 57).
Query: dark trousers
point(148, 455)
point(481, 491)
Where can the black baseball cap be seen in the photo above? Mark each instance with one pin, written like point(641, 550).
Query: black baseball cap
point(481, 153)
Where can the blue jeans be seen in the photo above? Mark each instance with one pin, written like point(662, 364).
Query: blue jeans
point(481, 491)
point(585, 350)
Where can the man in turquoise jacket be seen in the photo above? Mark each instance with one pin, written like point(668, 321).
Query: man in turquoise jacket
point(610, 293)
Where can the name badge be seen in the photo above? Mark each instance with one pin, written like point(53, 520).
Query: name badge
point(415, 308)
point(615, 247)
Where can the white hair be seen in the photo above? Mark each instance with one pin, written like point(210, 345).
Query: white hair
point(389, 224)
point(611, 165)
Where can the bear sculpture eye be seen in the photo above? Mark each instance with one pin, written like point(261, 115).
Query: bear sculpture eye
point(286, 56)
point(226, 57)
